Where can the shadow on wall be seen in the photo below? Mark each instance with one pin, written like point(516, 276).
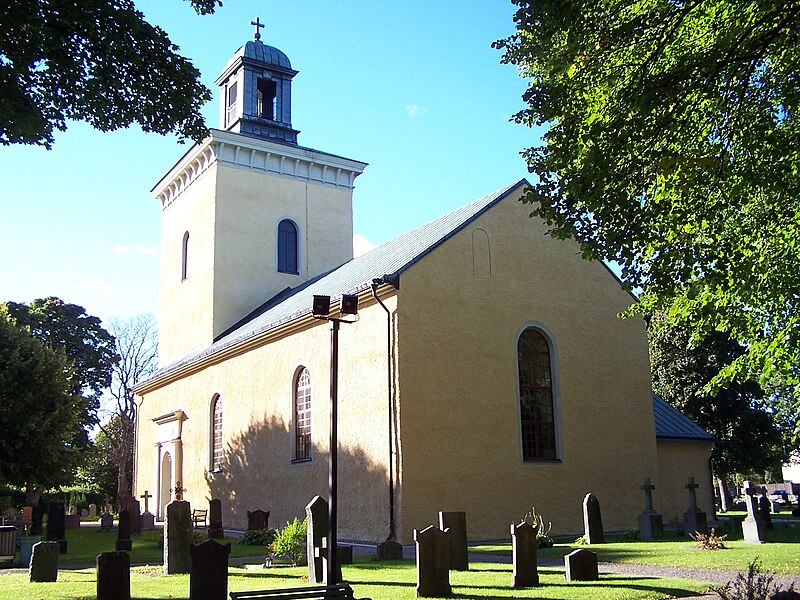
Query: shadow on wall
point(258, 473)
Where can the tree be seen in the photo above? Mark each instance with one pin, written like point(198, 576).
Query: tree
point(97, 61)
point(100, 468)
point(673, 148)
point(748, 438)
point(41, 418)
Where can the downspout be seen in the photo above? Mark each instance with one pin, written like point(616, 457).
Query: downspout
point(374, 286)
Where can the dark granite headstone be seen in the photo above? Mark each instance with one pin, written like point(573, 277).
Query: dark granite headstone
point(55, 525)
point(178, 538)
point(764, 509)
point(215, 519)
point(316, 533)
point(124, 531)
point(113, 576)
point(694, 519)
point(344, 554)
point(456, 522)
point(753, 529)
point(433, 562)
point(389, 550)
point(136, 521)
point(44, 561)
point(209, 578)
point(650, 523)
point(581, 565)
point(523, 544)
point(258, 519)
point(592, 520)
point(37, 517)
point(106, 522)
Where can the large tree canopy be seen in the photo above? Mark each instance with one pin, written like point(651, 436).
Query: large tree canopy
point(97, 61)
point(673, 148)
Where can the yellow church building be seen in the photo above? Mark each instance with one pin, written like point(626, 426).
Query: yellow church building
point(487, 371)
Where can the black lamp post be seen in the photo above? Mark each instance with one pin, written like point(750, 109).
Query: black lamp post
point(321, 309)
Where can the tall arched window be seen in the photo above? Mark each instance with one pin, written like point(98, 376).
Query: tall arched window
point(537, 414)
point(287, 247)
point(216, 434)
point(302, 415)
point(184, 255)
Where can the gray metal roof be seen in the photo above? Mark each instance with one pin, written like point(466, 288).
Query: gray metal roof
point(673, 424)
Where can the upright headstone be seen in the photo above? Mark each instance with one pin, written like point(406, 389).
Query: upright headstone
point(764, 508)
point(433, 562)
point(753, 529)
point(316, 534)
point(73, 510)
point(592, 520)
point(92, 509)
point(523, 544)
point(106, 522)
point(27, 514)
point(124, 531)
point(44, 561)
point(694, 519)
point(55, 525)
point(456, 522)
point(257, 519)
point(136, 521)
point(37, 517)
point(209, 578)
point(147, 519)
point(113, 576)
point(650, 523)
point(178, 538)
point(581, 565)
point(215, 519)
point(389, 550)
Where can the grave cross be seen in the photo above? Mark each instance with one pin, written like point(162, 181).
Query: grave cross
point(259, 25)
point(179, 489)
point(750, 492)
point(692, 487)
point(648, 493)
point(147, 495)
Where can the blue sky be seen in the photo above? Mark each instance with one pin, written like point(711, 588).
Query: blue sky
point(413, 88)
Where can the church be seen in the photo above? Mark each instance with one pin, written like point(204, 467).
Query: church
point(483, 367)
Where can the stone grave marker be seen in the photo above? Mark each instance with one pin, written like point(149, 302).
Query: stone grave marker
point(37, 517)
point(764, 508)
point(147, 519)
point(84, 513)
point(27, 514)
point(178, 538)
point(209, 578)
point(44, 561)
point(136, 516)
point(258, 519)
point(775, 507)
point(456, 522)
point(389, 550)
point(753, 529)
point(73, 509)
point(106, 522)
point(651, 525)
point(124, 531)
point(113, 576)
point(316, 533)
point(433, 562)
point(581, 565)
point(344, 554)
point(215, 519)
point(592, 520)
point(694, 519)
point(26, 549)
point(523, 544)
point(55, 525)
point(93, 510)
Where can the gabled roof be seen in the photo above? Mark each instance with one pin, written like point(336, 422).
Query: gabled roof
point(672, 424)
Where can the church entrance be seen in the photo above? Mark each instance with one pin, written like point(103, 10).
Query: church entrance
point(165, 485)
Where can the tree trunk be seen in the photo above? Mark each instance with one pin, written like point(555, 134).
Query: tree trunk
point(124, 457)
point(32, 495)
point(725, 499)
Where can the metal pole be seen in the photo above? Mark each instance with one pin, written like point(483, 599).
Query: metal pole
point(334, 445)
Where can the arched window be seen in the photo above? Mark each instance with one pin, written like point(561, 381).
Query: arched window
point(302, 415)
point(184, 255)
point(287, 247)
point(537, 414)
point(216, 434)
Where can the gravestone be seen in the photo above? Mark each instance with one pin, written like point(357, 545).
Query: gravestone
point(316, 534)
point(44, 561)
point(124, 531)
point(73, 509)
point(93, 510)
point(433, 562)
point(523, 544)
point(581, 565)
point(136, 521)
point(106, 522)
point(344, 554)
point(215, 519)
point(775, 507)
point(456, 522)
point(389, 550)
point(650, 523)
point(209, 578)
point(147, 519)
point(37, 516)
point(84, 513)
point(26, 549)
point(113, 576)
point(178, 538)
point(764, 508)
point(27, 511)
point(694, 519)
point(258, 519)
point(55, 525)
point(592, 520)
point(753, 529)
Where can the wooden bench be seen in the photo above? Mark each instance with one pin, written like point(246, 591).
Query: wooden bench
point(199, 517)
point(324, 592)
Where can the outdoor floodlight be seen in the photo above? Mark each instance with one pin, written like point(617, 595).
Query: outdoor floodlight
point(349, 305)
point(321, 306)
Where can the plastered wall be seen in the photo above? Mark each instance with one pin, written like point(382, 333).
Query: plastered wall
point(677, 461)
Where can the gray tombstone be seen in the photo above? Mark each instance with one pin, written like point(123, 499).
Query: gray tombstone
point(258, 519)
point(581, 565)
point(651, 525)
point(592, 520)
point(523, 544)
point(215, 519)
point(44, 561)
point(37, 516)
point(26, 549)
point(764, 509)
point(147, 521)
point(113, 576)
point(209, 578)
point(753, 529)
point(106, 522)
point(316, 533)
point(456, 522)
point(93, 510)
point(178, 538)
point(344, 554)
point(389, 550)
point(433, 562)
point(694, 519)
point(136, 521)
point(124, 531)
point(56, 526)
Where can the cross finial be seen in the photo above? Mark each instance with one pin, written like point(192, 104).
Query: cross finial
point(259, 25)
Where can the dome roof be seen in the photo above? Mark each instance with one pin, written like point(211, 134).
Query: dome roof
point(262, 53)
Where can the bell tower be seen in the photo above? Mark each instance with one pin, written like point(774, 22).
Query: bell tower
point(247, 213)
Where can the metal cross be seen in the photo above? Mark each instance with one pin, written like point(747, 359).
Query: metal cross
point(179, 489)
point(258, 25)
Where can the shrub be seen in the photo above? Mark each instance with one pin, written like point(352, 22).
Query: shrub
point(290, 542)
point(753, 586)
point(581, 541)
point(712, 541)
point(257, 537)
point(629, 536)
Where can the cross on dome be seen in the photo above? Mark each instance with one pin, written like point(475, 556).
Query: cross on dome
point(259, 25)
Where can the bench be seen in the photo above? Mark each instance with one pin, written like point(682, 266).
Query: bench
point(199, 517)
point(324, 592)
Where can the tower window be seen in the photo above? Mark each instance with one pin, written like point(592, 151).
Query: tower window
point(185, 256)
point(287, 247)
point(230, 116)
point(537, 414)
point(267, 90)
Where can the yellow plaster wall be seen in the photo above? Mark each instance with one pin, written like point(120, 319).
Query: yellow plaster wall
point(677, 460)
point(459, 410)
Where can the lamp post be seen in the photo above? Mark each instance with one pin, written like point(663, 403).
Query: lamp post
point(321, 309)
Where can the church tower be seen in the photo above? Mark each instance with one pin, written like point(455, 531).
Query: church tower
point(248, 212)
